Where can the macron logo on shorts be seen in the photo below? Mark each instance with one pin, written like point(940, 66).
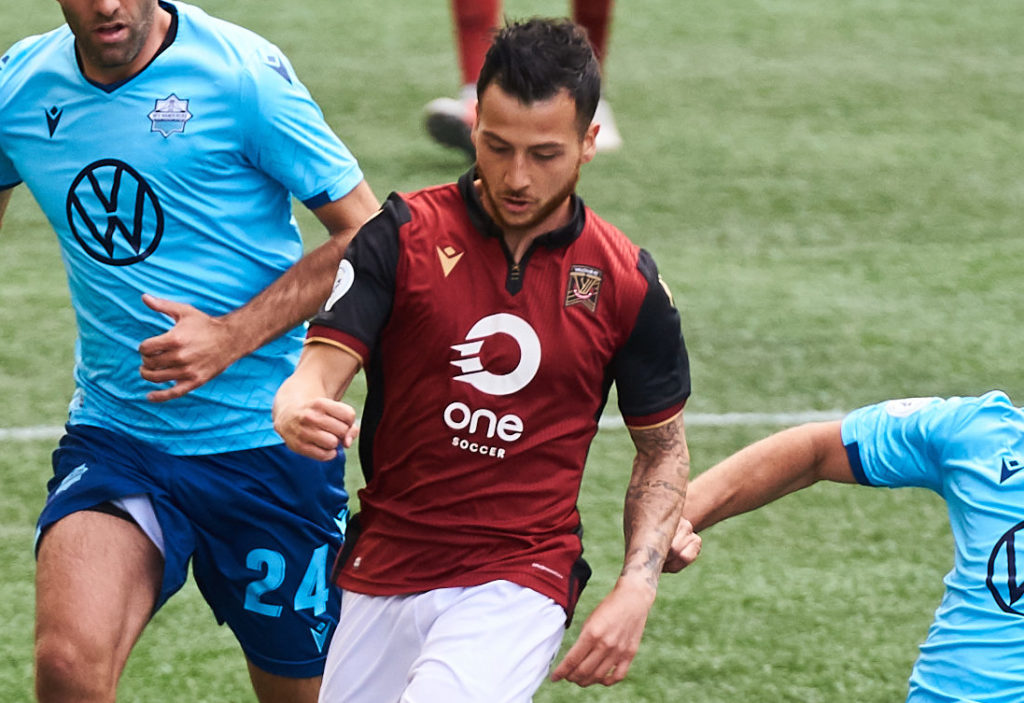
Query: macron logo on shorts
point(72, 478)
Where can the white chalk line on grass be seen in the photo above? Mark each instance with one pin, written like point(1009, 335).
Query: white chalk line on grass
point(742, 419)
point(25, 434)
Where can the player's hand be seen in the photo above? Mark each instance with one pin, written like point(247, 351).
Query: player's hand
point(194, 350)
point(685, 548)
point(317, 427)
point(610, 637)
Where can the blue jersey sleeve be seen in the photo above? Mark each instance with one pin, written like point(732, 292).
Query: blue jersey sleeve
point(907, 442)
point(288, 137)
point(8, 174)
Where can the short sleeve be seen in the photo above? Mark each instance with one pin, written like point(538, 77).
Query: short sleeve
point(364, 290)
point(288, 137)
point(652, 370)
point(8, 174)
point(903, 442)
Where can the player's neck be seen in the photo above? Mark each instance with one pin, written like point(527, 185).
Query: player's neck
point(519, 239)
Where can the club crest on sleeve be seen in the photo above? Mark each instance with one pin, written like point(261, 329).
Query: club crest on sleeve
point(668, 291)
point(583, 287)
point(342, 283)
point(169, 115)
point(905, 406)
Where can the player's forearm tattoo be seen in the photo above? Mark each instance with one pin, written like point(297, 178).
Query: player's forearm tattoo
point(655, 497)
point(647, 561)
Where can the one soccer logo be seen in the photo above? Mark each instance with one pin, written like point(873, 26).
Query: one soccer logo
point(473, 371)
point(1003, 580)
point(110, 198)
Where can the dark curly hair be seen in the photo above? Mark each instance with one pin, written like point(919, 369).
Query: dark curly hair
point(535, 58)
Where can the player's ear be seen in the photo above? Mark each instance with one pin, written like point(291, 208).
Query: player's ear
point(475, 126)
point(589, 143)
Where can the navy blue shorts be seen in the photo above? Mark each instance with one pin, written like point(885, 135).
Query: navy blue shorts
point(261, 526)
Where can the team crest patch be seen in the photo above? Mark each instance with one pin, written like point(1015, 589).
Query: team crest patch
point(169, 115)
point(584, 286)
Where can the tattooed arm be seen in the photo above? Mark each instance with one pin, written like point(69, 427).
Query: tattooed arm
point(611, 635)
point(775, 466)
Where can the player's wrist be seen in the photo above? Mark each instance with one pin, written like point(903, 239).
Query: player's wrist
point(241, 336)
point(639, 586)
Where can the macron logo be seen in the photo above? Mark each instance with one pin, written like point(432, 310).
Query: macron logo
point(319, 635)
point(1009, 469)
point(53, 116)
point(449, 256)
point(72, 478)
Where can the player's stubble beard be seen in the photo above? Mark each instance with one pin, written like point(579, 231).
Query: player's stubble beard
point(115, 56)
point(517, 231)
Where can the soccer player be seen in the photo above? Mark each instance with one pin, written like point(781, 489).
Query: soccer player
point(163, 146)
point(492, 315)
point(968, 450)
point(449, 120)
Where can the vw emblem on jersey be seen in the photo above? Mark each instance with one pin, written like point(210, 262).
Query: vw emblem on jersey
point(1004, 578)
point(114, 213)
point(473, 369)
point(169, 115)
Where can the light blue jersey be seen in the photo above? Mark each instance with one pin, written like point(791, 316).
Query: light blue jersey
point(971, 452)
point(176, 183)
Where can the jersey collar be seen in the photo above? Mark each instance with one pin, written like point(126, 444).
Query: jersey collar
point(560, 237)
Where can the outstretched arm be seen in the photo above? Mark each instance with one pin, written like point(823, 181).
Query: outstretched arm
point(611, 635)
point(308, 412)
point(766, 470)
point(200, 346)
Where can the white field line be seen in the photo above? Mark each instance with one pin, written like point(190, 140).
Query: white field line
point(742, 419)
point(24, 434)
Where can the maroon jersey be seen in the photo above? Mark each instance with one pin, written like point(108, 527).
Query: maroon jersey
point(485, 382)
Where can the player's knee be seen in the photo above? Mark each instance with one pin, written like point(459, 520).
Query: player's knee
point(67, 670)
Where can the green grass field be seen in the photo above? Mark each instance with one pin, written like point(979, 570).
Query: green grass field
point(834, 193)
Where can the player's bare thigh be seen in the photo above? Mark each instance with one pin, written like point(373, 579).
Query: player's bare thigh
point(271, 688)
point(97, 580)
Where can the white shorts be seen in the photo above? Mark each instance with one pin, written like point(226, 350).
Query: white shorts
point(491, 643)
